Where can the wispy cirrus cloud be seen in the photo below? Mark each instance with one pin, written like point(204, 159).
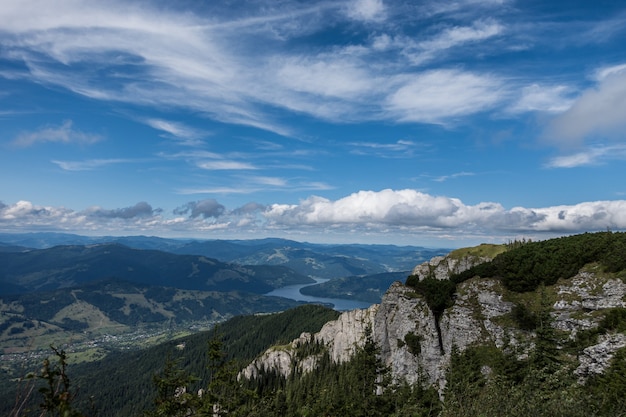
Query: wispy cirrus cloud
point(163, 58)
point(66, 133)
point(440, 95)
point(444, 178)
point(225, 165)
point(366, 10)
point(399, 149)
point(595, 155)
point(553, 99)
point(90, 164)
point(183, 133)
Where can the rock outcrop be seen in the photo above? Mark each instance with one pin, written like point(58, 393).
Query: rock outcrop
point(417, 348)
point(340, 337)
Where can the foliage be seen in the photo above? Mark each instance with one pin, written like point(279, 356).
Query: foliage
point(359, 387)
point(121, 384)
point(413, 341)
point(437, 293)
point(614, 320)
point(56, 396)
point(527, 265)
point(173, 398)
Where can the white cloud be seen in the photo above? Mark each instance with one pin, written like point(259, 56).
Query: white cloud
point(438, 95)
point(604, 72)
point(384, 213)
point(452, 176)
point(598, 112)
point(399, 149)
point(164, 58)
point(366, 10)
point(89, 165)
point(65, 133)
point(590, 156)
point(225, 165)
point(459, 35)
point(550, 99)
point(419, 211)
point(325, 76)
point(273, 181)
point(187, 135)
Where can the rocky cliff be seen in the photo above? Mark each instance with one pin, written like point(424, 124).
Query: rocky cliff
point(417, 347)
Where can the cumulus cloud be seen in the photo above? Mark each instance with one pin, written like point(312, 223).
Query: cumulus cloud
point(141, 209)
point(386, 213)
point(420, 211)
point(203, 208)
point(65, 133)
point(599, 112)
point(27, 210)
point(249, 208)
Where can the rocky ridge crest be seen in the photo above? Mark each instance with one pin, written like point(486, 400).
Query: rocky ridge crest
point(481, 314)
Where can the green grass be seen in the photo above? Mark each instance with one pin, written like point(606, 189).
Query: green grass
point(485, 250)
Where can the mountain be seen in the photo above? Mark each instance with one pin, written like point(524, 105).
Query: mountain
point(66, 266)
point(80, 293)
point(317, 260)
point(530, 328)
point(118, 310)
point(121, 383)
point(527, 328)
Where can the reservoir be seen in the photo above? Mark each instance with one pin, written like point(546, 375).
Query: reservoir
point(340, 304)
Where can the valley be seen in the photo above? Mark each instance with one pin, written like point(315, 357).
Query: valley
point(93, 296)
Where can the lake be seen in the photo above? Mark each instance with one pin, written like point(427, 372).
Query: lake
point(340, 304)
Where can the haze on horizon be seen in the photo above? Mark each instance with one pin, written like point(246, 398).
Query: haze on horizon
point(432, 123)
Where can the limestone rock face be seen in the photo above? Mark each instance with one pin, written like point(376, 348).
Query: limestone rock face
point(581, 296)
point(441, 267)
point(341, 337)
point(278, 359)
point(417, 348)
point(595, 359)
point(344, 335)
point(399, 314)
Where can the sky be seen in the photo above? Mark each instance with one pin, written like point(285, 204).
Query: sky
point(441, 123)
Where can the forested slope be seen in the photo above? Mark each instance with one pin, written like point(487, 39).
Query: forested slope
point(122, 384)
point(537, 329)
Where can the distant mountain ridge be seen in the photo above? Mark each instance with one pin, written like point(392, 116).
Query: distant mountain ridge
point(318, 260)
point(67, 266)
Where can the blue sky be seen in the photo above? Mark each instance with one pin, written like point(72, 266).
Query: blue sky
point(436, 123)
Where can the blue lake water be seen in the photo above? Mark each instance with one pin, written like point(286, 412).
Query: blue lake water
point(293, 292)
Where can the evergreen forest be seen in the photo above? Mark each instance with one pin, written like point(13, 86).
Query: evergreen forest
point(199, 375)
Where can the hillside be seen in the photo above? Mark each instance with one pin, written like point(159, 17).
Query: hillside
point(318, 260)
point(527, 328)
point(66, 266)
point(530, 328)
point(114, 313)
point(121, 383)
